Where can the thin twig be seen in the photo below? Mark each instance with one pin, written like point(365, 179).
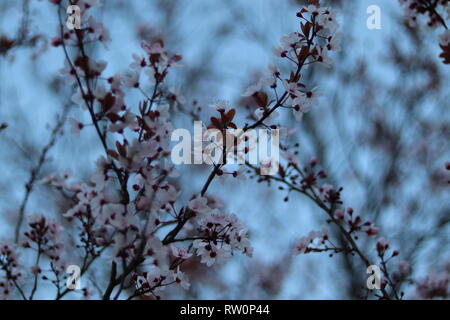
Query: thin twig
point(37, 169)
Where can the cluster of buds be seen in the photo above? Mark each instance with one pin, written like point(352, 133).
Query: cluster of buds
point(354, 223)
point(9, 269)
point(45, 235)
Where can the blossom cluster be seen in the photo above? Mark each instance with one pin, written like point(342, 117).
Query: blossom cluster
point(214, 238)
point(130, 199)
point(219, 234)
point(153, 282)
point(315, 241)
point(311, 44)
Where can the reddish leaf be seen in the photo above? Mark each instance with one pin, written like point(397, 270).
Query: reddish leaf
point(114, 117)
point(108, 102)
point(261, 98)
point(445, 55)
point(303, 53)
point(281, 171)
point(121, 148)
point(82, 63)
point(292, 77)
point(5, 44)
point(113, 154)
point(306, 28)
point(216, 123)
point(230, 115)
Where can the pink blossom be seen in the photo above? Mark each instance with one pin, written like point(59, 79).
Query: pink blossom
point(181, 253)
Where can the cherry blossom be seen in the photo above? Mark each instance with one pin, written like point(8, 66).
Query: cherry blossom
point(181, 253)
point(304, 243)
point(181, 279)
point(76, 126)
point(131, 79)
point(199, 204)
